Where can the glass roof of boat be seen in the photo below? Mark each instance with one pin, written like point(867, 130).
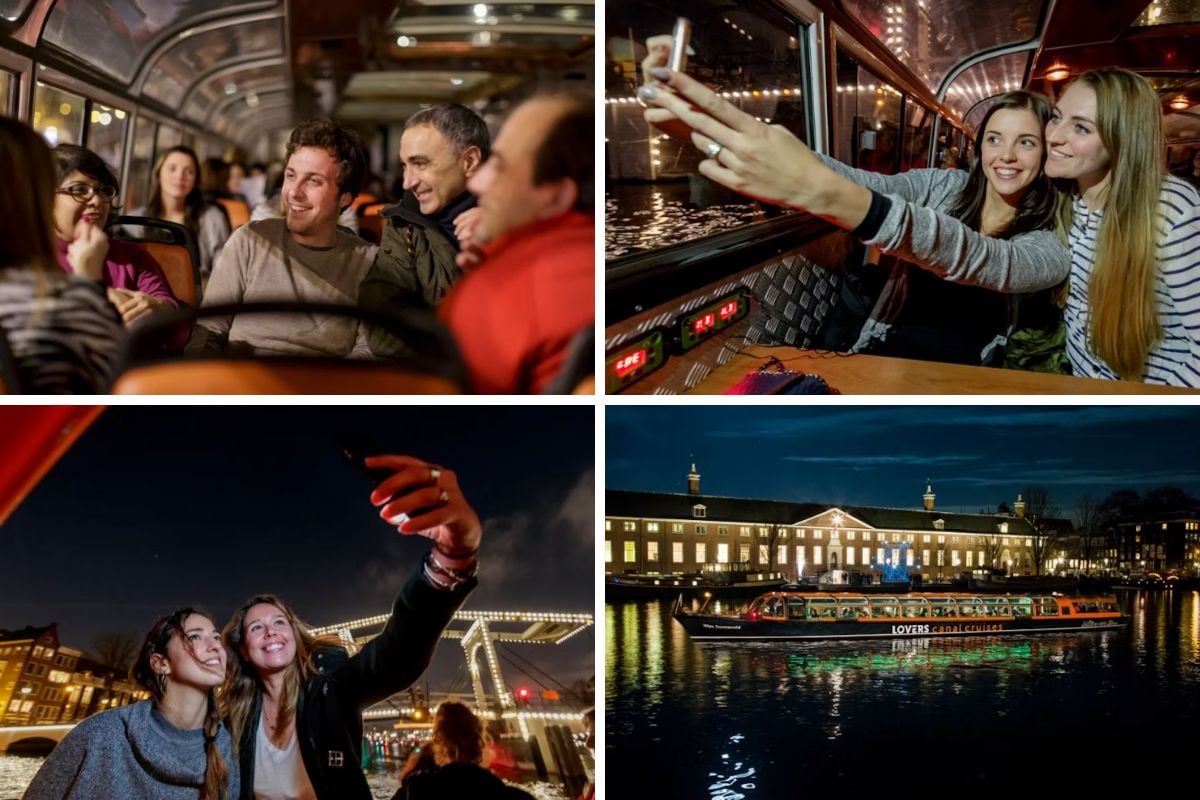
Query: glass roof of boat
point(1169, 12)
point(934, 36)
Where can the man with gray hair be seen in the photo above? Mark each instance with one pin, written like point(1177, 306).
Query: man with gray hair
point(440, 149)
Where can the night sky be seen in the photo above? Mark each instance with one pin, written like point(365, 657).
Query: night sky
point(976, 456)
point(156, 508)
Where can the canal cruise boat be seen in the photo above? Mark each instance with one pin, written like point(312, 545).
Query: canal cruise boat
point(801, 615)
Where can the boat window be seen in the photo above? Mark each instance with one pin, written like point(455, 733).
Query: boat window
point(774, 607)
point(13, 9)
point(932, 36)
point(1169, 12)
point(943, 607)
point(57, 115)
point(918, 127)
point(1047, 607)
point(119, 36)
point(915, 607)
point(6, 84)
point(884, 607)
point(174, 72)
point(852, 608)
point(972, 92)
point(750, 52)
point(795, 608)
point(137, 186)
point(106, 134)
point(996, 606)
point(868, 118)
point(1022, 607)
point(822, 609)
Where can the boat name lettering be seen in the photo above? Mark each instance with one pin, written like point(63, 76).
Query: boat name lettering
point(969, 628)
point(722, 627)
point(903, 629)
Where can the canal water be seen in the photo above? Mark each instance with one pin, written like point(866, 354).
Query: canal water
point(928, 717)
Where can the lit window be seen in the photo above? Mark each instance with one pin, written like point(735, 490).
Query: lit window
point(764, 554)
point(941, 540)
point(850, 536)
point(970, 557)
point(817, 534)
point(817, 554)
point(744, 553)
point(701, 553)
point(765, 532)
point(676, 527)
point(677, 552)
point(607, 552)
point(926, 538)
point(781, 554)
point(849, 556)
point(652, 527)
point(608, 525)
point(955, 561)
point(652, 551)
point(867, 536)
point(925, 557)
point(909, 558)
point(723, 553)
point(629, 525)
point(699, 511)
point(866, 556)
point(941, 560)
point(879, 557)
point(782, 533)
point(630, 552)
point(744, 530)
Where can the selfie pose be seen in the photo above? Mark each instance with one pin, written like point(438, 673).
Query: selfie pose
point(294, 702)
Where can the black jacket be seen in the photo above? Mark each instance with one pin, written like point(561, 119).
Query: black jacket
point(460, 782)
point(329, 713)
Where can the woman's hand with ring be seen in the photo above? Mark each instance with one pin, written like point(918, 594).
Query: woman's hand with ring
point(425, 500)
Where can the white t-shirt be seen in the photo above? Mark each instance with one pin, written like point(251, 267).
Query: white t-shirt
point(279, 774)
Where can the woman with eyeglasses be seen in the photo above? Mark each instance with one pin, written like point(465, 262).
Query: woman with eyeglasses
point(87, 192)
point(58, 333)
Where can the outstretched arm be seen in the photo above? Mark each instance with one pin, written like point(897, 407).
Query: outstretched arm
point(420, 499)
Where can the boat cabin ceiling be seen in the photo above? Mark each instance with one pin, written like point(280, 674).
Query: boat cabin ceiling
point(240, 69)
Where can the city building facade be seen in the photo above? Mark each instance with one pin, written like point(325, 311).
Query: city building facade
point(667, 533)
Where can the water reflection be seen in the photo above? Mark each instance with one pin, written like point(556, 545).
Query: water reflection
point(818, 710)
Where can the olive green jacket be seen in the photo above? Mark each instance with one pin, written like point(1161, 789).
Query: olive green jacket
point(414, 270)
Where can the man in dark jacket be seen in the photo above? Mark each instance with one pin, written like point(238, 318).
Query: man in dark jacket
point(440, 149)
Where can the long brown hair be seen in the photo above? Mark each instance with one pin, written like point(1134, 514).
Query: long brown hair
point(216, 772)
point(1124, 322)
point(194, 205)
point(457, 735)
point(242, 682)
point(27, 205)
point(1038, 208)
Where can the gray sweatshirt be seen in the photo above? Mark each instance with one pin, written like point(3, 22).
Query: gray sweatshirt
point(919, 230)
point(129, 752)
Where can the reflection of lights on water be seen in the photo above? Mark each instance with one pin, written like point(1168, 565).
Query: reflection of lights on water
point(731, 786)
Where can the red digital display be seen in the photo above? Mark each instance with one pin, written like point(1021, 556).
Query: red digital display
point(704, 323)
point(729, 309)
point(629, 363)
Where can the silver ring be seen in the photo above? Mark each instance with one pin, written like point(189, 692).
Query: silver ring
point(713, 150)
point(434, 474)
point(444, 496)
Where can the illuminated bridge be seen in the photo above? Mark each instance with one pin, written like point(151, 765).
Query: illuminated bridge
point(476, 631)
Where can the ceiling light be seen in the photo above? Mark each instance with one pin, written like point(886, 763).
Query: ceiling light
point(1058, 72)
point(1180, 103)
point(456, 81)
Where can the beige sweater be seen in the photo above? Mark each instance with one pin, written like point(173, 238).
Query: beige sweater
point(261, 263)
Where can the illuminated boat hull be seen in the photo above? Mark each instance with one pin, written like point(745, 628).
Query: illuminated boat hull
point(712, 627)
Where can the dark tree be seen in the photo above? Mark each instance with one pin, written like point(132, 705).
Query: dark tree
point(116, 649)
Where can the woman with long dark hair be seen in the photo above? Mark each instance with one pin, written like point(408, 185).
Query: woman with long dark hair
point(60, 330)
point(295, 702)
point(172, 747)
point(176, 196)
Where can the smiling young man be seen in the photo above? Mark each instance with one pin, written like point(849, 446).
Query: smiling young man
point(441, 148)
point(302, 257)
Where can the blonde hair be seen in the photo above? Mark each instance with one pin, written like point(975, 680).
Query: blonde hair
point(1124, 317)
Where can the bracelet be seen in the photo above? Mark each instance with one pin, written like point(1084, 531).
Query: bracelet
point(443, 577)
point(463, 556)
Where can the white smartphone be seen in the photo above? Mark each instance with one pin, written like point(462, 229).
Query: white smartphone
point(680, 37)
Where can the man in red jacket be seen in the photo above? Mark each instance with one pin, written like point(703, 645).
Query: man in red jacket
point(530, 258)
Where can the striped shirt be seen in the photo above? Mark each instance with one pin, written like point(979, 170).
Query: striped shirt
point(64, 342)
point(1175, 358)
